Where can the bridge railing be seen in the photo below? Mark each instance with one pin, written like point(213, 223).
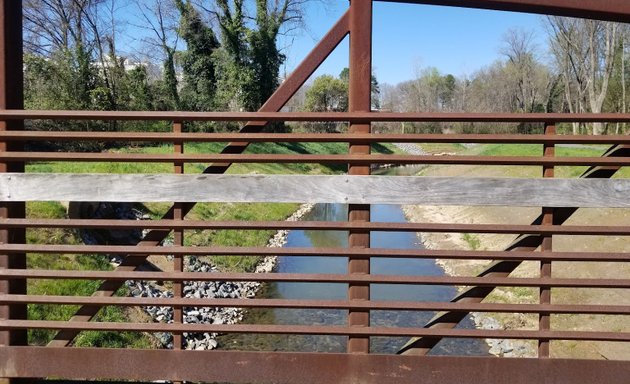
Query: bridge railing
point(558, 198)
point(600, 185)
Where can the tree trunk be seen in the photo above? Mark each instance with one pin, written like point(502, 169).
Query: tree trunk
point(597, 97)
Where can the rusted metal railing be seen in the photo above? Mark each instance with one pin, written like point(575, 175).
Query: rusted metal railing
point(543, 229)
point(60, 359)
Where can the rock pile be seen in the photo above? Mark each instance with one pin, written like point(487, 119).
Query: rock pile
point(501, 347)
point(209, 289)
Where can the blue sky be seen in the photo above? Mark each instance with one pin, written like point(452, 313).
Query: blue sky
point(409, 37)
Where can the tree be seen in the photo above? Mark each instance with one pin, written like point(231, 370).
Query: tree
point(528, 79)
point(494, 88)
point(249, 59)
point(67, 60)
point(327, 94)
point(160, 18)
point(518, 48)
point(79, 35)
point(429, 92)
point(57, 30)
point(199, 89)
point(585, 52)
point(140, 90)
point(616, 99)
point(376, 89)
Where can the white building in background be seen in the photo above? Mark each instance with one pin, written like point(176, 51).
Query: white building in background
point(131, 65)
point(127, 63)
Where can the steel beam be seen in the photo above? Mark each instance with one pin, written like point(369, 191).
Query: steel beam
point(304, 368)
point(608, 10)
point(359, 95)
point(11, 97)
point(544, 319)
point(266, 116)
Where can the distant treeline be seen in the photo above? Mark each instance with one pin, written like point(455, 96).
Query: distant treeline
point(223, 55)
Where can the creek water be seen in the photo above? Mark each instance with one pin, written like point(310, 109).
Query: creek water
point(389, 266)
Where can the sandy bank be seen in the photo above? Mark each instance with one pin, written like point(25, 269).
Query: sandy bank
point(498, 215)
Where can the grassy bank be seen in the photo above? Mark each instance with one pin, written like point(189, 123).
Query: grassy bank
point(202, 211)
point(515, 150)
point(54, 210)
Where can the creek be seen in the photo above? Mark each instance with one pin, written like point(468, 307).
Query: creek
point(315, 291)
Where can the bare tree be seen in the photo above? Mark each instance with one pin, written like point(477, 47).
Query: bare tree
point(58, 30)
point(100, 16)
point(161, 19)
point(51, 25)
point(585, 51)
point(531, 79)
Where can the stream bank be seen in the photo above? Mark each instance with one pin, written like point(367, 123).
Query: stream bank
point(208, 289)
point(458, 241)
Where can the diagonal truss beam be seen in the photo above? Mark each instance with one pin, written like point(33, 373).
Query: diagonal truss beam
point(607, 10)
point(449, 320)
point(274, 104)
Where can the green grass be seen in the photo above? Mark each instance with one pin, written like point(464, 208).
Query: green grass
point(213, 148)
point(537, 150)
point(54, 210)
point(472, 241)
point(442, 147)
point(47, 210)
point(245, 212)
point(79, 288)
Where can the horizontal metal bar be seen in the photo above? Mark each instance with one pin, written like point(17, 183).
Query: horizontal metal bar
point(306, 368)
point(317, 278)
point(314, 116)
point(610, 10)
point(315, 330)
point(315, 189)
point(319, 304)
point(313, 137)
point(319, 226)
point(332, 252)
point(314, 159)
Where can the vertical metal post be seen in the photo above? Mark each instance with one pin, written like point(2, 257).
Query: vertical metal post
point(178, 241)
point(12, 97)
point(359, 101)
point(544, 320)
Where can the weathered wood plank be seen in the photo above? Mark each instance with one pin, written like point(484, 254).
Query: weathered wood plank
point(316, 189)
